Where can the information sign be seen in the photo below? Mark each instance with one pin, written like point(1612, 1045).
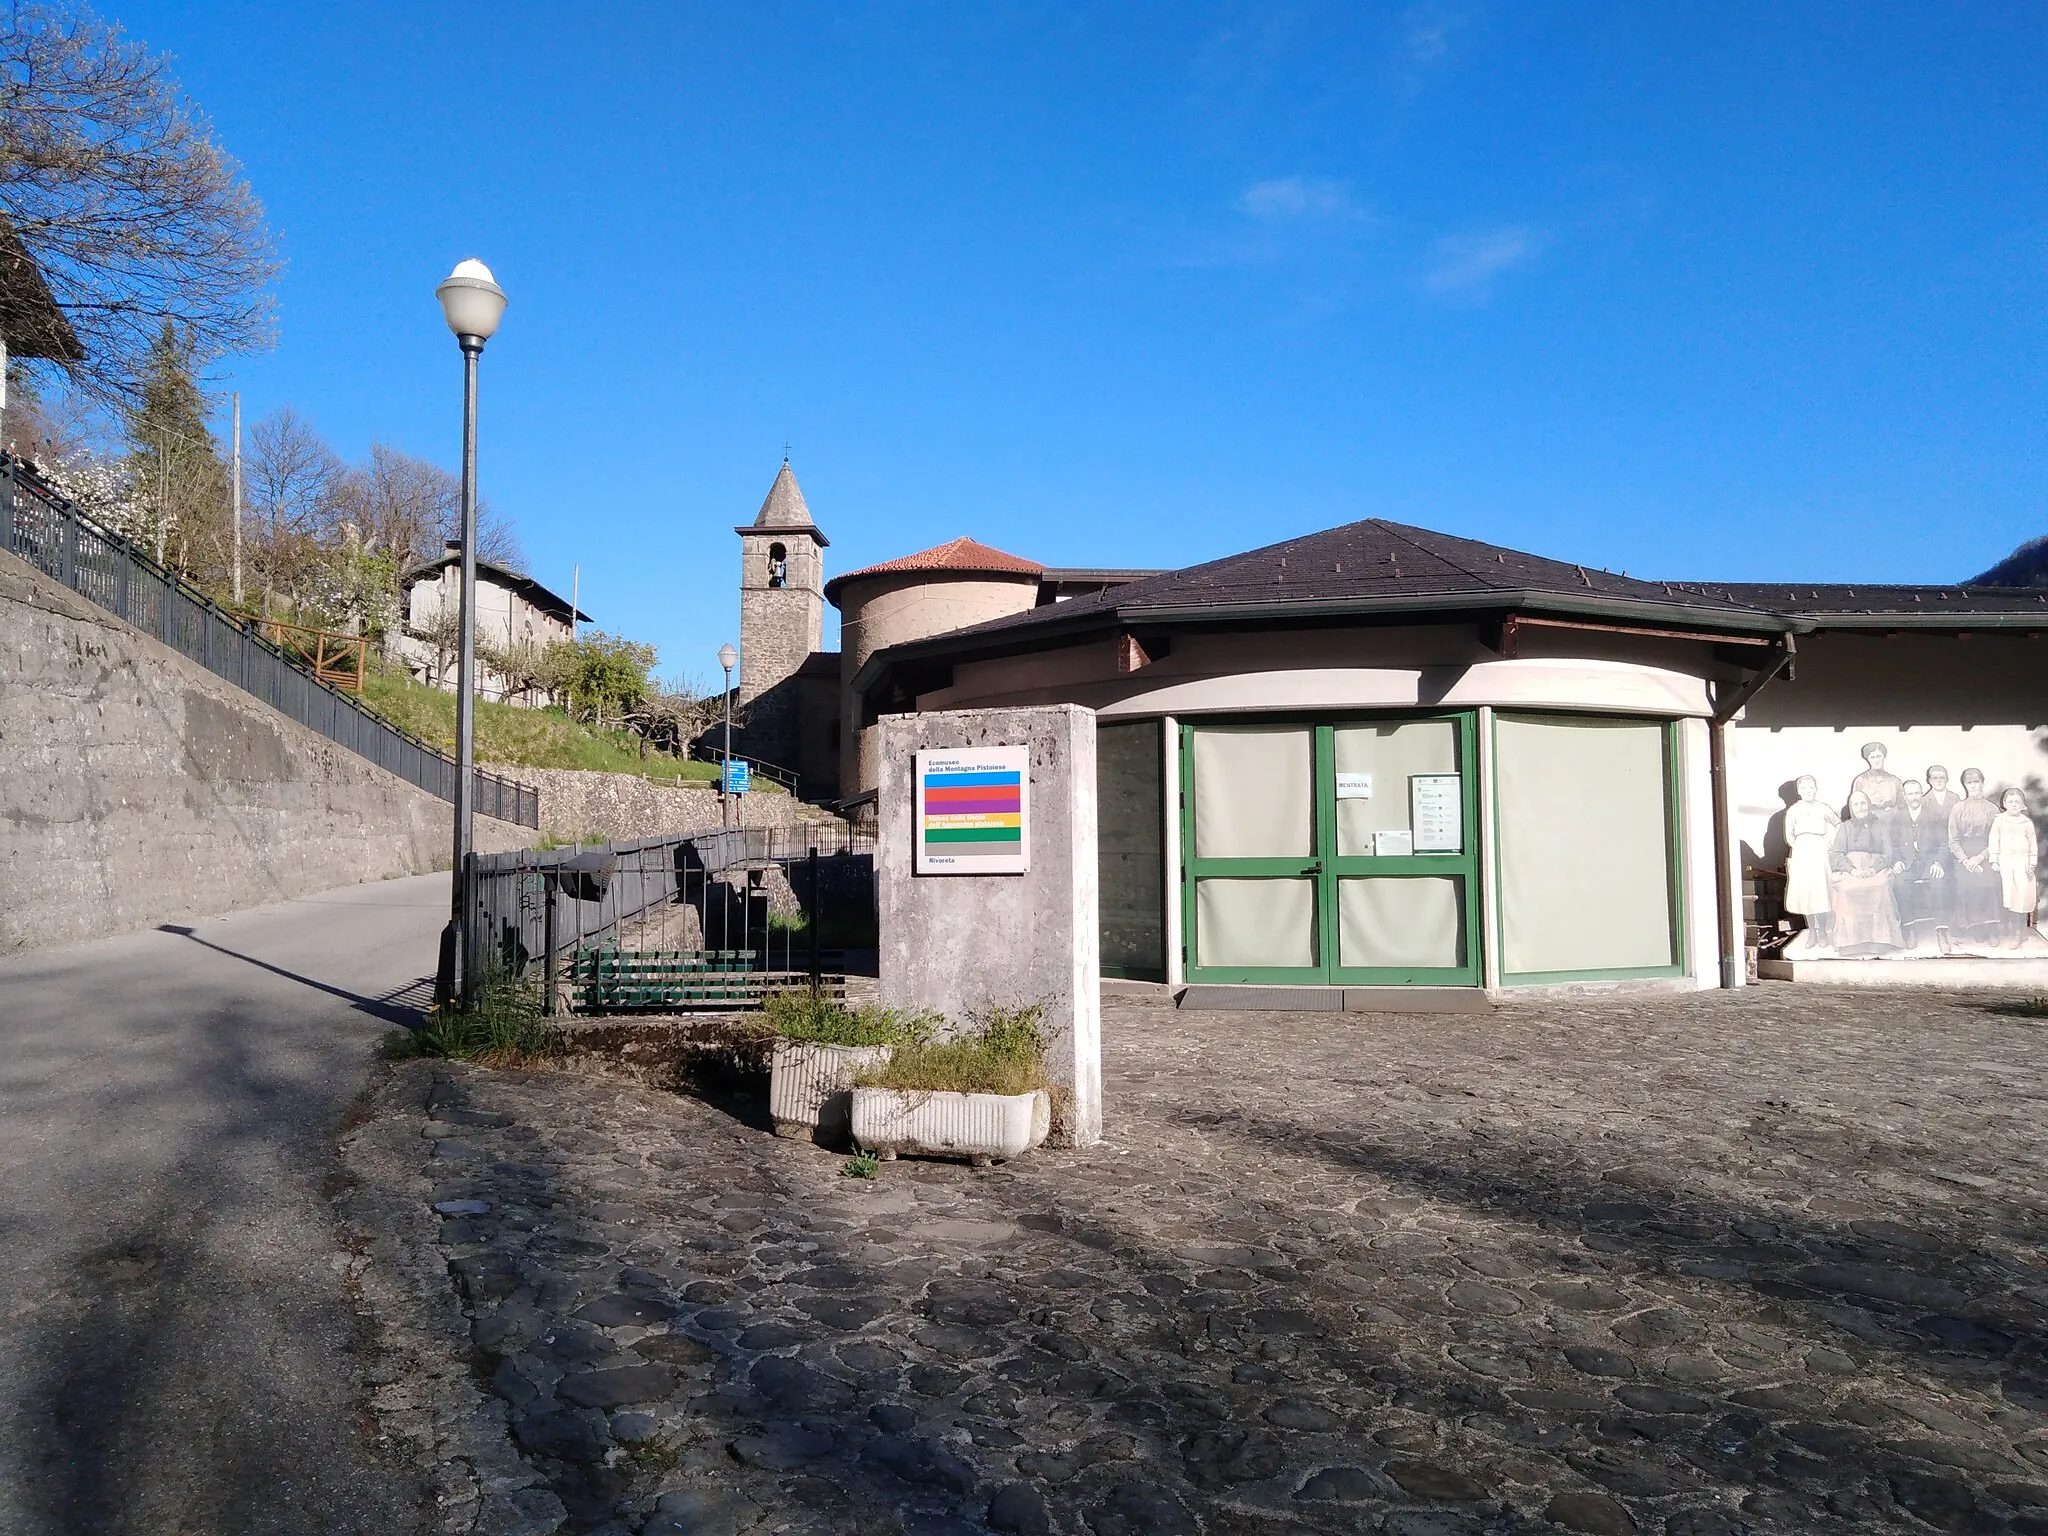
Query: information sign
point(972, 814)
point(1393, 845)
point(1354, 786)
point(739, 776)
point(1436, 812)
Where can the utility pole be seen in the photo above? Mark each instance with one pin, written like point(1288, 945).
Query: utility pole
point(163, 489)
point(575, 586)
point(238, 498)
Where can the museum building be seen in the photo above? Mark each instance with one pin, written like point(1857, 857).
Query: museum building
point(1380, 755)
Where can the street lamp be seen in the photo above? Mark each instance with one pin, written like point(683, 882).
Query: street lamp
point(473, 304)
point(727, 658)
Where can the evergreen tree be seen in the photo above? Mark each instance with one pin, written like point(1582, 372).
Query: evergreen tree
point(176, 465)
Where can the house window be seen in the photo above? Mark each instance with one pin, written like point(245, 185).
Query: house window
point(778, 566)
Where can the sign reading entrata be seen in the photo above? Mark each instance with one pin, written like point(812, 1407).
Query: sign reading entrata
point(973, 811)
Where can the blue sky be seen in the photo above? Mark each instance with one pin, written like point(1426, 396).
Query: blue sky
point(1687, 290)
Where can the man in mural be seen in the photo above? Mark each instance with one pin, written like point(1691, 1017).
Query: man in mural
point(1920, 841)
point(1979, 904)
point(1873, 781)
point(2015, 852)
point(1810, 835)
point(1940, 798)
point(1862, 863)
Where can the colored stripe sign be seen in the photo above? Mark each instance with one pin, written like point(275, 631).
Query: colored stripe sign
point(973, 811)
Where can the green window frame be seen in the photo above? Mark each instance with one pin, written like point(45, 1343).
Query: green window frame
point(1674, 863)
point(1327, 868)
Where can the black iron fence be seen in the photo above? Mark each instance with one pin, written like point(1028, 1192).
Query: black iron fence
point(44, 528)
point(706, 750)
point(711, 920)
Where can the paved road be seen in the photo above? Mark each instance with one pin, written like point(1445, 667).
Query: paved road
point(1720, 1264)
point(178, 1352)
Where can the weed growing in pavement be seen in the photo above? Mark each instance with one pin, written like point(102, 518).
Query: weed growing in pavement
point(502, 1027)
point(862, 1165)
point(2020, 1007)
point(661, 1454)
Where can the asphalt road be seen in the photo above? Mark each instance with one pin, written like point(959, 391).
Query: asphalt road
point(177, 1350)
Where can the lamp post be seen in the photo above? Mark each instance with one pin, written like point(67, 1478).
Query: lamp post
point(473, 304)
point(727, 658)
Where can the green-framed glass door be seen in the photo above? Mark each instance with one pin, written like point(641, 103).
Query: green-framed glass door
point(1331, 852)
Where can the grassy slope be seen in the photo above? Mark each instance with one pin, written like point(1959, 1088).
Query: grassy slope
point(533, 738)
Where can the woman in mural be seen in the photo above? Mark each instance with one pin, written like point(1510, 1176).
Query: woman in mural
point(1874, 781)
point(1980, 908)
point(1862, 860)
point(2015, 853)
point(1810, 833)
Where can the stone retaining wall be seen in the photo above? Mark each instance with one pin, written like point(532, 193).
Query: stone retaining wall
point(137, 788)
point(612, 806)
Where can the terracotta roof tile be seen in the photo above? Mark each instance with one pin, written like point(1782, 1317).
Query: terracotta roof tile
point(962, 556)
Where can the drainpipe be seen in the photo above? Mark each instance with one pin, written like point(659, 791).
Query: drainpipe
point(1726, 891)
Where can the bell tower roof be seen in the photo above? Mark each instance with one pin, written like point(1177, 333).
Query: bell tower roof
point(784, 509)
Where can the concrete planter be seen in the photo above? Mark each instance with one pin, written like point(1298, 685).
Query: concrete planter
point(981, 1127)
point(810, 1088)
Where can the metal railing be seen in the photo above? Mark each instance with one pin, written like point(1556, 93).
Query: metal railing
point(714, 752)
point(43, 527)
point(781, 904)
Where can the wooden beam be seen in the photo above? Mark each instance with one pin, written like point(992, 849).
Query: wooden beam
point(1515, 621)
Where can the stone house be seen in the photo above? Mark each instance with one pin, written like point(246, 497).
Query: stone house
point(511, 610)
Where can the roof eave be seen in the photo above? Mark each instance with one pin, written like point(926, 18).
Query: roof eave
point(1926, 621)
point(845, 579)
point(1114, 617)
point(765, 529)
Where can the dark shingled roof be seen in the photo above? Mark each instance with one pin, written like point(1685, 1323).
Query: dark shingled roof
point(1832, 604)
point(30, 321)
point(1383, 569)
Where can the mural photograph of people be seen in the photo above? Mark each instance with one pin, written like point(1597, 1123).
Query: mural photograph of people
point(1907, 868)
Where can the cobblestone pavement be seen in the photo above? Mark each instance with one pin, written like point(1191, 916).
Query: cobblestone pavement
point(1768, 1261)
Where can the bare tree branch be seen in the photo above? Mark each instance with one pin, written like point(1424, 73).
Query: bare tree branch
point(115, 185)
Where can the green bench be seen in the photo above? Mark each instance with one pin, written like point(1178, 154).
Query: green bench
point(640, 980)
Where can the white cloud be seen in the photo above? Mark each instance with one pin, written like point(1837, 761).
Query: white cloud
point(1426, 32)
point(1299, 197)
point(1465, 266)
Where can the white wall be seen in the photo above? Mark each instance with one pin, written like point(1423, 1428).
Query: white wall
point(1404, 667)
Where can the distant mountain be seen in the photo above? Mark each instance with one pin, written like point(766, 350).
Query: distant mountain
point(2026, 566)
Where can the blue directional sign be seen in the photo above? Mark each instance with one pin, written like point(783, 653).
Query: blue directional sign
point(739, 776)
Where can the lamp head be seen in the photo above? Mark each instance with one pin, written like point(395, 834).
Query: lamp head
point(471, 300)
point(728, 658)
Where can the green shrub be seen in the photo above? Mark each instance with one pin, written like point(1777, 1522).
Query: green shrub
point(813, 1017)
point(836, 930)
point(1004, 1053)
point(502, 1027)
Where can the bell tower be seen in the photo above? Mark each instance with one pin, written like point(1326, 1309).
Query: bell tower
point(782, 591)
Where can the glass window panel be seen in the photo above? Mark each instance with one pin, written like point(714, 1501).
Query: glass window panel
point(1390, 753)
point(1253, 792)
point(1255, 922)
point(1406, 924)
point(1585, 860)
point(1130, 847)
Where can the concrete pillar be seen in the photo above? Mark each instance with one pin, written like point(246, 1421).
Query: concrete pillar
point(958, 942)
